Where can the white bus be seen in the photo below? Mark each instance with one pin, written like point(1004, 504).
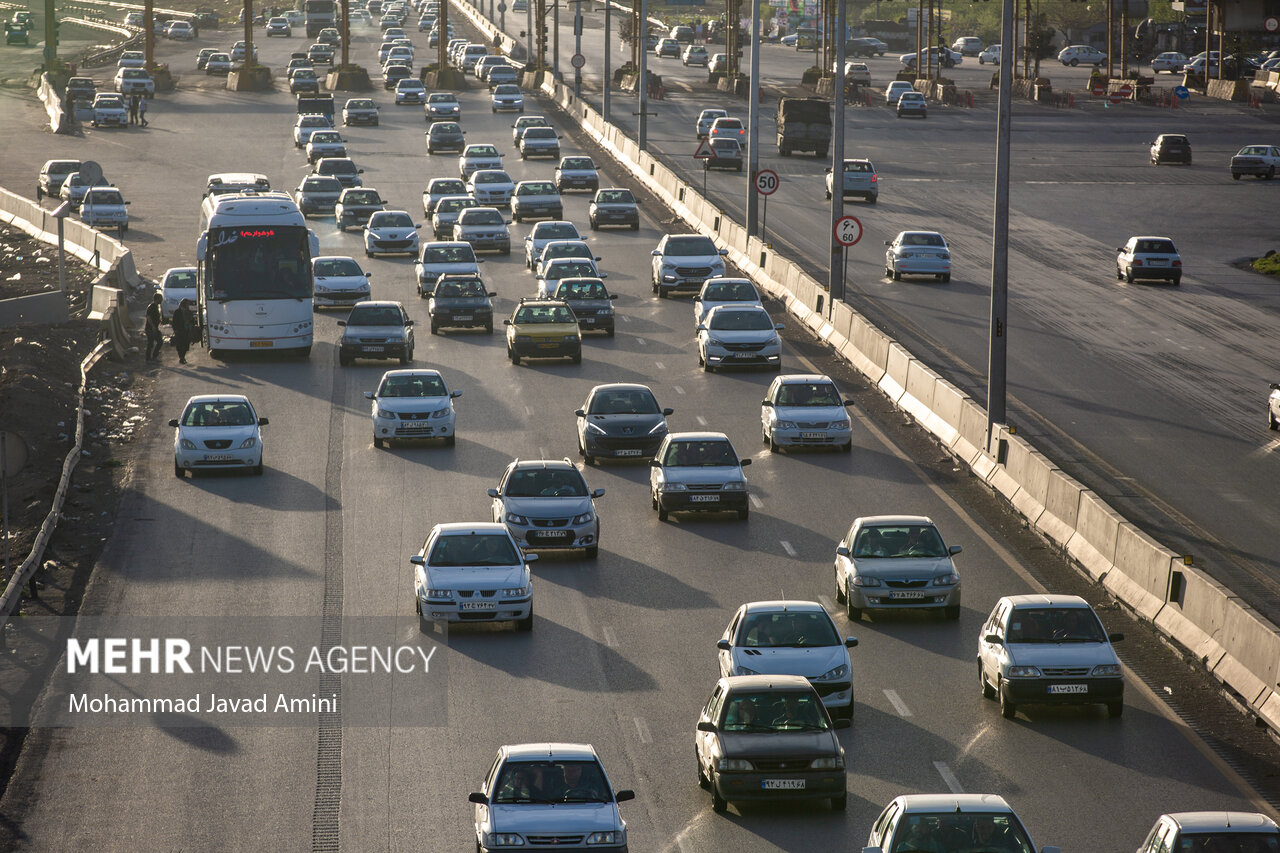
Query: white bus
point(253, 268)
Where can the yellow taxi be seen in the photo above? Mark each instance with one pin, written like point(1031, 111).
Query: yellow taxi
point(543, 328)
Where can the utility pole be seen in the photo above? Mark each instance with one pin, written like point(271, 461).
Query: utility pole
point(753, 123)
point(1124, 40)
point(555, 36)
point(608, 65)
point(642, 87)
point(835, 267)
point(346, 32)
point(997, 341)
point(577, 47)
point(50, 40)
point(149, 37)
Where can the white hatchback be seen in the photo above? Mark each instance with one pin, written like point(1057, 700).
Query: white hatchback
point(178, 283)
point(1149, 258)
point(739, 336)
point(217, 432)
point(339, 281)
point(413, 404)
point(895, 90)
point(724, 291)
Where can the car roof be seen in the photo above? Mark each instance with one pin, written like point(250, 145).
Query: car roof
point(698, 436)
point(1236, 821)
point(618, 386)
point(552, 751)
point(456, 528)
point(963, 803)
point(381, 303)
point(1046, 600)
point(218, 398)
point(767, 682)
point(784, 606)
point(799, 378)
point(562, 464)
point(891, 520)
point(1150, 237)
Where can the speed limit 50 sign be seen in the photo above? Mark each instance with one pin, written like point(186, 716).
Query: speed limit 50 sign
point(766, 182)
point(848, 230)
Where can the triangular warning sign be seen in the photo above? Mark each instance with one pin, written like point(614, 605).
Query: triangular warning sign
point(705, 151)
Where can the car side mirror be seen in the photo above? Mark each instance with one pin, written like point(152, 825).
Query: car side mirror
point(263, 421)
point(954, 549)
point(173, 422)
point(993, 639)
point(455, 393)
point(598, 258)
point(493, 493)
point(656, 253)
point(582, 413)
point(701, 328)
point(847, 402)
point(418, 560)
point(597, 493)
point(828, 170)
point(368, 395)
point(342, 322)
point(668, 412)
point(654, 463)
point(778, 327)
point(1120, 248)
point(843, 551)
point(624, 795)
point(706, 726)
point(842, 723)
point(724, 251)
point(506, 322)
point(850, 642)
point(724, 645)
point(872, 850)
point(531, 558)
point(408, 322)
point(417, 226)
point(1115, 638)
point(890, 243)
point(359, 171)
point(766, 402)
point(478, 798)
point(745, 462)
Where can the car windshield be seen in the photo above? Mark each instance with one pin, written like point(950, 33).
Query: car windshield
point(491, 178)
point(321, 185)
point(615, 197)
point(808, 394)
point(134, 74)
point(555, 231)
point(1228, 842)
point(338, 167)
point(551, 782)
point(447, 255)
point(446, 186)
point(361, 197)
point(900, 540)
point(569, 268)
point(540, 133)
point(409, 85)
point(482, 151)
point(439, 98)
point(452, 205)
point(546, 482)
point(737, 292)
point(481, 216)
point(184, 279)
point(325, 137)
point(375, 316)
point(956, 832)
point(413, 385)
point(313, 121)
point(774, 711)
point(581, 288)
point(566, 249)
point(689, 246)
point(472, 549)
point(710, 453)
point(1055, 625)
point(531, 121)
point(507, 89)
point(632, 401)
point(101, 197)
point(336, 267)
point(1157, 247)
point(741, 321)
point(802, 630)
point(467, 287)
point(360, 105)
point(390, 219)
point(304, 74)
point(218, 413)
point(445, 128)
point(544, 314)
point(577, 163)
point(536, 188)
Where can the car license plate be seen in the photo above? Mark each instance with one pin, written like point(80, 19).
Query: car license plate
point(261, 343)
point(703, 498)
point(217, 457)
point(459, 317)
point(1068, 688)
point(373, 349)
point(906, 595)
point(553, 534)
point(783, 784)
point(479, 605)
point(1158, 262)
point(632, 452)
point(586, 320)
point(812, 435)
point(743, 355)
point(547, 346)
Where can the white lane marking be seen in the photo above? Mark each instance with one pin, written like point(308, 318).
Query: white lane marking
point(626, 318)
point(642, 730)
point(755, 501)
point(678, 389)
point(642, 343)
point(948, 777)
point(542, 453)
point(826, 603)
point(701, 420)
point(610, 638)
point(528, 411)
point(789, 548)
point(898, 705)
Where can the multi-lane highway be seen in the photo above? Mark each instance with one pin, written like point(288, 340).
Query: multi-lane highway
point(622, 650)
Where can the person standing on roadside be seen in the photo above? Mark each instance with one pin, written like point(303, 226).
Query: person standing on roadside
point(142, 110)
point(133, 109)
point(183, 329)
point(155, 339)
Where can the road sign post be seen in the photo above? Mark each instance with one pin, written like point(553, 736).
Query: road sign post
point(704, 153)
point(766, 182)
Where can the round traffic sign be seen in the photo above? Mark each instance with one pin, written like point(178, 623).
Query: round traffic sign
point(767, 182)
point(502, 7)
point(1182, 92)
point(578, 60)
point(848, 230)
point(1115, 97)
point(1271, 24)
point(1099, 89)
point(1125, 90)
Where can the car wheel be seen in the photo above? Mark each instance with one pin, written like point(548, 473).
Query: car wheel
point(1177, 280)
point(1235, 176)
point(744, 513)
point(1272, 423)
point(718, 803)
point(988, 692)
point(703, 782)
point(773, 445)
point(854, 613)
point(872, 199)
point(1074, 63)
point(1008, 710)
point(951, 613)
point(838, 804)
point(1119, 274)
point(1128, 275)
point(344, 360)
point(178, 472)
point(897, 276)
point(635, 226)
point(257, 469)
point(488, 328)
point(1115, 709)
point(1271, 173)
point(593, 551)
point(946, 278)
point(515, 359)
point(840, 596)
point(525, 625)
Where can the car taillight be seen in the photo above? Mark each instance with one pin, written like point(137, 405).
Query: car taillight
point(1177, 263)
point(874, 178)
point(1137, 262)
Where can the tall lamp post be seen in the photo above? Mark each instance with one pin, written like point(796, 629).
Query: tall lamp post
point(753, 122)
point(997, 353)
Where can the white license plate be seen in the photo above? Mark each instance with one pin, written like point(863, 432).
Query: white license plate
point(813, 435)
point(906, 595)
point(373, 349)
point(553, 534)
point(1157, 263)
point(1068, 688)
point(479, 605)
point(743, 355)
point(218, 457)
point(703, 498)
point(460, 317)
point(783, 784)
point(635, 452)
point(586, 319)
point(261, 343)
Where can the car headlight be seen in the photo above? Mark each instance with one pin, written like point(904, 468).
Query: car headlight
point(863, 580)
point(585, 518)
point(383, 413)
point(785, 425)
point(605, 312)
point(666, 266)
point(505, 839)
point(443, 594)
point(714, 342)
point(442, 413)
point(674, 487)
point(744, 670)
point(595, 430)
point(735, 486)
point(571, 337)
point(840, 425)
point(1107, 670)
point(512, 518)
point(516, 592)
point(732, 764)
point(949, 579)
point(1023, 672)
point(660, 428)
point(187, 444)
point(834, 762)
point(612, 836)
point(834, 674)
point(248, 442)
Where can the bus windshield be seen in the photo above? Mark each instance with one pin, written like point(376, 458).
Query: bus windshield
point(268, 262)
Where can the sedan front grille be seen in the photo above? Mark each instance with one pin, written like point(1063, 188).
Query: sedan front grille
point(549, 522)
point(705, 487)
point(693, 272)
point(218, 443)
point(744, 347)
point(786, 764)
point(1065, 671)
point(811, 425)
point(905, 584)
point(554, 840)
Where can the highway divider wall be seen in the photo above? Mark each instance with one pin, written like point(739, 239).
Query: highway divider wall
point(1235, 643)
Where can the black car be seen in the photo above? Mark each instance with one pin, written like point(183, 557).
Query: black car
point(592, 304)
point(1171, 148)
point(461, 301)
point(620, 421)
point(445, 136)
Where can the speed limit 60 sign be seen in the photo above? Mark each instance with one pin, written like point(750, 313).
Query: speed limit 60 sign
point(766, 182)
point(848, 230)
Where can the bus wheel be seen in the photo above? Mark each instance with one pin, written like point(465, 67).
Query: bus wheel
point(304, 353)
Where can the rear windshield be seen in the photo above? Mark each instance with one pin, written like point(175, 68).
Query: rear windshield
point(1161, 247)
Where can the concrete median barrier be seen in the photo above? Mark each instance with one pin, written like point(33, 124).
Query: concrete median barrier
point(894, 381)
point(943, 419)
point(1195, 616)
point(1142, 571)
point(1000, 478)
point(869, 348)
point(971, 443)
point(917, 397)
point(1061, 507)
point(1093, 545)
point(1251, 664)
point(1030, 468)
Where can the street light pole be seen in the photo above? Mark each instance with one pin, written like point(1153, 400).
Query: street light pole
point(753, 121)
point(555, 36)
point(577, 47)
point(998, 324)
point(835, 269)
point(608, 66)
point(642, 87)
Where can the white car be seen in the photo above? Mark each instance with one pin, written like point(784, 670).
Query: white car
point(180, 31)
point(414, 403)
point(472, 572)
point(705, 119)
point(218, 63)
point(444, 258)
point(1149, 258)
point(1246, 831)
point(936, 56)
point(791, 638)
point(339, 281)
point(990, 54)
point(307, 124)
point(1048, 650)
point(739, 336)
point(967, 45)
point(391, 232)
point(524, 123)
point(896, 562)
point(438, 188)
point(546, 232)
point(694, 54)
point(546, 505)
point(1171, 61)
point(536, 200)
point(491, 187)
point(1273, 407)
point(918, 253)
point(551, 272)
point(105, 207)
point(443, 106)
point(217, 432)
point(75, 186)
point(729, 127)
point(684, 262)
point(1076, 54)
point(895, 91)
point(279, 26)
point(805, 410)
point(360, 111)
point(698, 472)
point(478, 156)
point(974, 822)
point(539, 142)
point(576, 800)
point(484, 228)
point(724, 291)
point(178, 283)
point(410, 91)
point(134, 81)
point(325, 143)
point(1261, 161)
point(577, 173)
point(446, 214)
point(132, 59)
point(507, 97)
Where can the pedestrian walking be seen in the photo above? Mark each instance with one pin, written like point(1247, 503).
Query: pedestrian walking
point(133, 110)
point(183, 329)
point(155, 339)
point(142, 110)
